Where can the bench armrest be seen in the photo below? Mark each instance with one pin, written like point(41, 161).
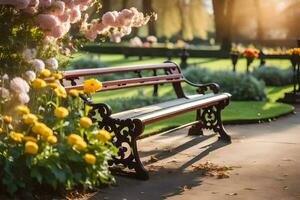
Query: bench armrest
point(202, 88)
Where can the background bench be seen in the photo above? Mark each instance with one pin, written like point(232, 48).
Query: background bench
point(128, 125)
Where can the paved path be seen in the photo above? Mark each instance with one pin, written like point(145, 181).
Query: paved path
point(265, 159)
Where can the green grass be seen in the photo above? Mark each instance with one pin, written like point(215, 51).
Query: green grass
point(237, 110)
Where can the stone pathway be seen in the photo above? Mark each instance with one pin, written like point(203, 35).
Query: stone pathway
point(265, 161)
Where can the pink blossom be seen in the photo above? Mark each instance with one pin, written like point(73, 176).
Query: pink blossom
point(19, 85)
point(152, 39)
point(5, 77)
point(125, 17)
point(45, 3)
point(47, 21)
point(59, 7)
point(57, 31)
point(65, 17)
point(34, 3)
point(109, 19)
point(75, 15)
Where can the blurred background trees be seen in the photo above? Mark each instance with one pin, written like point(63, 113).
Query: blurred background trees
point(272, 22)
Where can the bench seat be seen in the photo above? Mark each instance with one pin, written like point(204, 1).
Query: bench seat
point(157, 112)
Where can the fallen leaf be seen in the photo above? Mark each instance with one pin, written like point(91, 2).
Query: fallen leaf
point(153, 159)
point(249, 189)
point(231, 194)
point(285, 187)
point(185, 188)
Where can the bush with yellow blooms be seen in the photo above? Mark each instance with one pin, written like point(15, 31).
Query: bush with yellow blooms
point(47, 139)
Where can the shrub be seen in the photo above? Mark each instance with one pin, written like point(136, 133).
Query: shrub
point(240, 86)
point(87, 62)
point(273, 76)
point(121, 104)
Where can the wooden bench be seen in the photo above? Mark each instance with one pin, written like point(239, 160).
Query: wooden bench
point(128, 125)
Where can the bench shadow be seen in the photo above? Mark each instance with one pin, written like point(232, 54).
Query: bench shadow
point(164, 182)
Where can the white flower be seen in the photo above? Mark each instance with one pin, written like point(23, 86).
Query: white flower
point(52, 63)
point(29, 54)
point(5, 77)
point(19, 85)
point(23, 98)
point(152, 39)
point(4, 93)
point(30, 75)
point(136, 41)
point(38, 64)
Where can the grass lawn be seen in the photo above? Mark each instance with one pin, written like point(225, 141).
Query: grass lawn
point(237, 110)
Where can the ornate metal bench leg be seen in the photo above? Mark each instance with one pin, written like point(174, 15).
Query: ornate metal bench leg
point(125, 135)
point(196, 129)
point(211, 119)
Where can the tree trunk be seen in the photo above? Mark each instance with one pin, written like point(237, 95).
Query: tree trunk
point(106, 6)
point(124, 3)
point(259, 19)
point(148, 9)
point(223, 12)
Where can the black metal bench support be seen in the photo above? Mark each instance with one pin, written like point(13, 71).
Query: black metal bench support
point(124, 139)
point(210, 118)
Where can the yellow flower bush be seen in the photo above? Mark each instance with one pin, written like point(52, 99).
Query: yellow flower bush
point(42, 129)
point(61, 112)
point(29, 138)
point(90, 158)
point(7, 119)
point(104, 136)
point(38, 83)
point(22, 109)
point(30, 118)
point(91, 86)
point(45, 73)
point(60, 92)
point(37, 113)
point(31, 148)
point(85, 122)
point(17, 137)
point(74, 92)
point(52, 139)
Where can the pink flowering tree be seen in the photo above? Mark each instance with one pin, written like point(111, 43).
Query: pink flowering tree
point(45, 140)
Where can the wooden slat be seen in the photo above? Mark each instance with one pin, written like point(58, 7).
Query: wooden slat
point(106, 88)
point(147, 109)
point(183, 108)
point(90, 72)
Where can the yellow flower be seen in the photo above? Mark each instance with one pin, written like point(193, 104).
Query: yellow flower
point(21, 110)
point(80, 145)
point(57, 76)
point(85, 122)
point(52, 139)
point(1, 130)
point(91, 85)
point(60, 92)
point(61, 112)
point(42, 129)
point(104, 136)
point(54, 85)
point(31, 148)
point(74, 92)
point(90, 158)
point(17, 137)
point(45, 73)
point(73, 138)
point(38, 83)
point(29, 118)
point(29, 138)
point(7, 119)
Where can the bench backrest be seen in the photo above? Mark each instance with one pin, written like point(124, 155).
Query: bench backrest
point(171, 74)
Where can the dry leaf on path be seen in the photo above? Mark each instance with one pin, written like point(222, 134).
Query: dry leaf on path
point(231, 194)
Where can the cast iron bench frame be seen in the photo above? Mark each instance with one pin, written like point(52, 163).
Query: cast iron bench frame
point(129, 125)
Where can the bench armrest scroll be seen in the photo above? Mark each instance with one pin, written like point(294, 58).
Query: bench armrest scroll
point(202, 88)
